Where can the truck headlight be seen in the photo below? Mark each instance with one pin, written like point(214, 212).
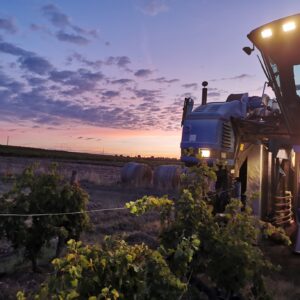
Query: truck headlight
point(205, 153)
point(289, 26)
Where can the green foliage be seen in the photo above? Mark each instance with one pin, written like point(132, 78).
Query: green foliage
point(235, 258)
point(198, 179)
point(147, 203)
point(20, 296)
point(195, 243)
point(114, 271)
point(41, 193)
point(181, 257)
point(228, 252)
point(276, 234)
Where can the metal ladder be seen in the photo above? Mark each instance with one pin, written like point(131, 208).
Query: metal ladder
point(283, 209)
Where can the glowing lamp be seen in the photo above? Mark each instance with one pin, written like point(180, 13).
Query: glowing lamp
point(293, 158)
point(289, 26)
point(204, 153)
point(266, 33)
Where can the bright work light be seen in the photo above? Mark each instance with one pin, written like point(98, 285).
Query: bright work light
point(266, 33)
point(204, 153)
point(289, 26)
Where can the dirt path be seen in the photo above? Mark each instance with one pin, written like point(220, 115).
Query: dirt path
point(120, 222)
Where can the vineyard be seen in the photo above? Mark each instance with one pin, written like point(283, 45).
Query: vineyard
point(155, 247)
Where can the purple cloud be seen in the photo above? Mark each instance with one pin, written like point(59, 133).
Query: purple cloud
point(71, 38)
point(213, 94)
point(40, 107)
point(190, 86)
point(9, 48)
point(120, 61)
point(110, 94)
point(62, 21)
point(81, 80)
point(122, 81)
point(10, 84)
point(237, 77)
point(96, 64)
point(147, 95)
point(164, 80)
point(8, 25)
point(35, 81)
point(28, 60)
point(35, 64)
point(41, 28)
point(92, 32)
point(143, 73)
point(55, 16)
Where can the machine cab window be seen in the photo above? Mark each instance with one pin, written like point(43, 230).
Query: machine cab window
point(296, 70)
point(279, 44)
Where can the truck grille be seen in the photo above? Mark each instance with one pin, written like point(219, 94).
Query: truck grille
point(226, 135)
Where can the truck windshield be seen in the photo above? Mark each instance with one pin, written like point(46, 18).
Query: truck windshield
point(296, 70)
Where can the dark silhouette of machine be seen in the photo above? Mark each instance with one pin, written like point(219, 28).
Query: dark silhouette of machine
point(255, 141)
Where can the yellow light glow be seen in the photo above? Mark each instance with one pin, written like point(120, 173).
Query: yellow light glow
point(223, 155)
point(204, 153)
point(293, 158)
point(289, 26)
point(266, 33)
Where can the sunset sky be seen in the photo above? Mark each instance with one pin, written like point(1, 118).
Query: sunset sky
point(110, 76)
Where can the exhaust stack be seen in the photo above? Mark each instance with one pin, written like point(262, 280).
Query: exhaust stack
point(204, 92)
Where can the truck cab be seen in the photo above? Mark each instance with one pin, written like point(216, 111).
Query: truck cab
point(207, 131)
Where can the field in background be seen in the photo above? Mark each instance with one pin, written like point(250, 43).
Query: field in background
point(117, 160)
point(94, 168)
point(101, 174)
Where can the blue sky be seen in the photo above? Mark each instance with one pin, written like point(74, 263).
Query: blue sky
point(111, 75)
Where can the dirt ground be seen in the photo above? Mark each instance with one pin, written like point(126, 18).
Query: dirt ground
point(285, 283)
point(133, 229)
point(16, 275)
